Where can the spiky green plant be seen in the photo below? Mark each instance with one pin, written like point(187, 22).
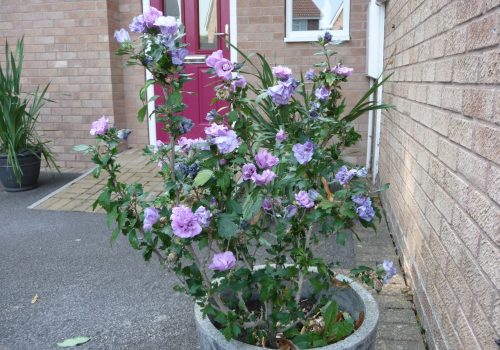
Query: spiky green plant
point(19, 113)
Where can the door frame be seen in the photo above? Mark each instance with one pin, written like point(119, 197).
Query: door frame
point(150, 91)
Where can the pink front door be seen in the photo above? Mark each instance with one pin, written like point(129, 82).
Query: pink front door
point(207, 26)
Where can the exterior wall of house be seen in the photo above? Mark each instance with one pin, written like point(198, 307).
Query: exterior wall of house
point(441, 154)
point(261, 28)
point(70, 44)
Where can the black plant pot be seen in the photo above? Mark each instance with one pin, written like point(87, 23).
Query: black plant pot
point(30, 166)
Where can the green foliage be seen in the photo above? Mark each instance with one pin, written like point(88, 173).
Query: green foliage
point(19, 114)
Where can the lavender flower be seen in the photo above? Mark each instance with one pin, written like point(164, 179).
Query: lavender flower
point(166, 40)
point(137, 25)
point(178, 56)
point(290, 211)
point(314, 111)
point(310, 74)
point(122, 35)
point(123, 134)
point(167, 25)
point(366, 211)
point(267, 204)
point(227, 143)
point(265, 160)
point(151, 217)
point(186, 144)
point(322, 93)
point(281, 136)
point(223, 261)
point(303, 152)
point(247, 171)
point(362, 172)
point(304, 200)
point(238, 83)
point(224, 69)
point(159, 144)
point(361, 200)
point(203, 216)
point(100, 126)
point(215, 57)
point(390, 270)
point(344, 175)
point(282, 73)
point(211, 115)
point(327, 38)
point(151, 16)
point(215, 130)
point(313, 194)
point(265, 178)
point(185, 126)
point(342, 71)
point(184, 223)
point(281, 93)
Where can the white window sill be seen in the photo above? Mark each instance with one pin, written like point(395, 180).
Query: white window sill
point(310, 38)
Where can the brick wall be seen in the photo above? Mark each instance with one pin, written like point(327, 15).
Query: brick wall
point(67, 43)
point(441, 153)
point(261, 28)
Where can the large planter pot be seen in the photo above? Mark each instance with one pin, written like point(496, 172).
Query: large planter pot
point(353, 299)
point(30, 166)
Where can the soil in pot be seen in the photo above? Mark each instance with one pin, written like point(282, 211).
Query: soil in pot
point(30, 166)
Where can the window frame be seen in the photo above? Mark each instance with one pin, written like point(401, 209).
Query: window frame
point(312, 35)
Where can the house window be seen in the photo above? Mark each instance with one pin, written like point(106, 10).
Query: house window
point(306, 20)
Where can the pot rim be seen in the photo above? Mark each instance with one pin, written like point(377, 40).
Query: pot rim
point(368, 326)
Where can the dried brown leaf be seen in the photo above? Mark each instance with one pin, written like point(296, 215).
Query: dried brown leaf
point(35, 298)
point(360, 320)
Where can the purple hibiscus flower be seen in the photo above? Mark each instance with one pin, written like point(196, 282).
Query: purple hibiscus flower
point(267, 204)
point(342, 71)
point(151, 16)
point(100, 126)
point(151, 217)
point(304, 200)
point(184, 223)
point(215, 130)
point(178, 56)
point(263, 179)
point(281, 136)
point(345, 175)
point(247, 171)
point(390, 270)
point(137, 25)
point(322, 93)
point(167, 24)
point(215, 57)
point(281, 93)
point(223, 261)
point(366, 211)
point(362, 172)
point(327, 37)
point(290, 211)
point(227, 142)
point(122, 35)
point(238, 83)
point(265, 160)
point(361, 200)
point(310, 74)
point(303, 152)
point(203, 216)
point(282, 73)
point(224, 69)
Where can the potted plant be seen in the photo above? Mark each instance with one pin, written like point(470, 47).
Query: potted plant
point(243, 208)
point(21, 149)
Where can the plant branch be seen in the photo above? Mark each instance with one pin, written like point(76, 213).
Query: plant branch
point(301, 274)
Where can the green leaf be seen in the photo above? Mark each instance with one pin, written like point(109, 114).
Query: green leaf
point(141, 114)
point(383, 188)
point(202, 177)
point(252, 205)
point(81, 148)
point(341, 238)
point(329, 312)
point(73, 342)
point(227, 227)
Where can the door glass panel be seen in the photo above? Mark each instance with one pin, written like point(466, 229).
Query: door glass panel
point(207, 24)
point(172, 8)
point(317, 15)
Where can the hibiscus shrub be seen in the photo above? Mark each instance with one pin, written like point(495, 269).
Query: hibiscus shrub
point(266, 184)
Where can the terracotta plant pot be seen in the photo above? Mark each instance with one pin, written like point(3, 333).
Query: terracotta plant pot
point(30, 166)
point(353, 299)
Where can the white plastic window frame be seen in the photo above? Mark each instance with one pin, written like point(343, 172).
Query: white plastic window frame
point(312, 35)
